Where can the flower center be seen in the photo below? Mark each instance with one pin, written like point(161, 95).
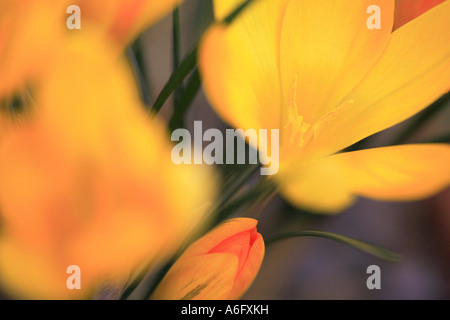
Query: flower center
point(296, 124)
point(300, 131)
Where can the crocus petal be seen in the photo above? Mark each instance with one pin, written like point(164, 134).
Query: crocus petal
point(29, 32)
point(222, 8)
point(412, 73)
point(205, 277)
point(318, 186)
point(239, 65)
point(408, 172)
point(399, 173)
point(251, 268)
point(406, 10)
point(326, 49)
point(26, 274)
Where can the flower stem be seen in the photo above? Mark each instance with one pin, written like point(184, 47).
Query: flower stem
point(183, 103)
point(136, 61)
point(360, 245)
point(176, 52)
point(187, 65)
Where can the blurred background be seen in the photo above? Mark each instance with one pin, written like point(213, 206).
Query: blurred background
point(313, 268)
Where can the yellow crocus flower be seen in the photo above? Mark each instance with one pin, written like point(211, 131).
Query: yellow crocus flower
point(219, 266)
point(318, 73)
point(87, 180)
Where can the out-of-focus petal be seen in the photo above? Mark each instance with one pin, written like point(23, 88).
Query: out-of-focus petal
point(96, 172)
point(30, 33)
point(28, 274)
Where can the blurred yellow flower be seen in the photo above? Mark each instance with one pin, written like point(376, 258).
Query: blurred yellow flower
point(32, 32)
point(219, 266)
point(406, 10)
point(314, 70)
point(87, 180)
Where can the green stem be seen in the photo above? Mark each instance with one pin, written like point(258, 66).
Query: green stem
point(235, 185)
point(176, 37)
point(260, 190)
point(136, 61)
point(177, 77)
point(134, 283)
point(176, 50)
point(190, 92)
point(188, 64)
point(236, 12)
point(360, 245)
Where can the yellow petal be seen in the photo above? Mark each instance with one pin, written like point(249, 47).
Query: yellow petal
point(318, 186)
point(326, 49)
point(222, 8)
point(30, 275)
point(239, 65)
point(204, 277)
point(124, 145)
point(29, 32)
point(399, 173)
point(407, 172)
point(81, 76)
point(411, 74)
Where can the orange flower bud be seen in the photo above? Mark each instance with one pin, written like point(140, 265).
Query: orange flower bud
point(220, 265)
point(406, 10)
